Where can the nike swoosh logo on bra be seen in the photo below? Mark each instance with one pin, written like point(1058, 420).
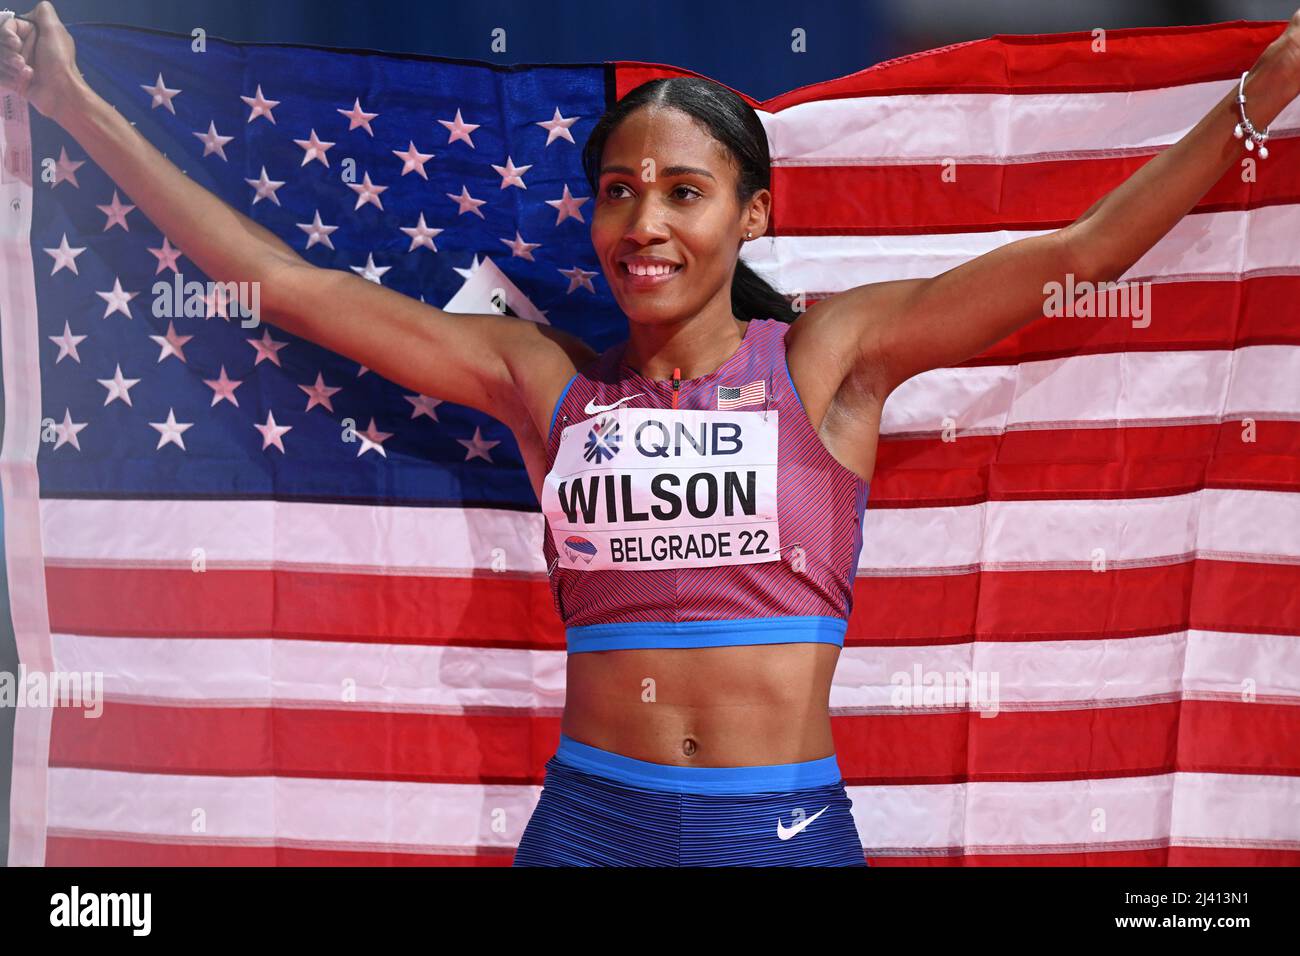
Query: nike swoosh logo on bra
point(594, 409)
point(786, 833)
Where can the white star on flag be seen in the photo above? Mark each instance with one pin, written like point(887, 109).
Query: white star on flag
point(413, 160)
point(421, 235)
point(477, 446)
point(118, 387)
point(272, 433)
point(577, 276)
point(524, 250)
point(172, 343)
point(319, 394)
point(568, 206)
point(317, 231)
point(512, 175)
point(471, 271)
point(215, 303)
point(558, 126)
point(65, 256)
point(67, 343)
point(166, 256)
point(214, 142)
point(117, 299)
point(116, 212)
point(265, 188)
point(313, 148)
point(367, 192)
point(266, 348)
point(65, 169)
point(423, 405)
point(372, 438)
point(223, 388)
point(67, 431)
point(466, 202)
point(161, 95)
point(261, 106)
point(459, 129)
point(170, 431)
point(359, 117)
point(466, 273)
point(370, 271)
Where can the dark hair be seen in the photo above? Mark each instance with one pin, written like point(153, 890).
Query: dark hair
point(733, 123)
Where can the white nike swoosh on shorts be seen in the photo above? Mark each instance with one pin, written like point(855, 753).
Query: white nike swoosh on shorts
point(784, 833)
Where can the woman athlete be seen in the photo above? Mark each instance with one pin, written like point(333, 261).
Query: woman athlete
point(705, 584)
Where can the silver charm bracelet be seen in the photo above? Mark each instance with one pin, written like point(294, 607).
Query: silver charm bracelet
point(1245, 128)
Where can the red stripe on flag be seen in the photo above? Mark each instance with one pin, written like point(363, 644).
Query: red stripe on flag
point(1154, 856)
point(907, 199)
point(894, 609)
point(929, 610)
point(1093, 463)
point(1184, 316)
point(1135, 58)
point(511, 748)
point(103, 851)
point(100, 851)
point(485, 610)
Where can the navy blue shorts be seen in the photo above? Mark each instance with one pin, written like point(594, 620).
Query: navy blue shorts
point(599, 808)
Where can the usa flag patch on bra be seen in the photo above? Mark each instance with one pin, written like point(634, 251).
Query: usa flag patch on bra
point(755, 393)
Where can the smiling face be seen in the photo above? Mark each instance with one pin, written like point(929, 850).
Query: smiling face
point(685, 216)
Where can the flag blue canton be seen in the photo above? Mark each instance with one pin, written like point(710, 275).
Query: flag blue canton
point(446, 207)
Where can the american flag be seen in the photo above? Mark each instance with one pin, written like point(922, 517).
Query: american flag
point(733, 397)
point(318, 602)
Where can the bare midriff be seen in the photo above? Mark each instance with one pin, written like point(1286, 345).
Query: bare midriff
point(704, 707)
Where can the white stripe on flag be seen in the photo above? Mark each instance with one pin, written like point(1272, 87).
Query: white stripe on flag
point(1228, 810)
point(453, 680)
point(992, 127)
point(1178, 809)
point(1213, 245)
point(1232, 524)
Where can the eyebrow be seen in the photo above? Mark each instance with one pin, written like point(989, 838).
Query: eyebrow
point(666, 171)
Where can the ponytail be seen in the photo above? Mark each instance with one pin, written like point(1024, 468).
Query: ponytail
point(752, 297)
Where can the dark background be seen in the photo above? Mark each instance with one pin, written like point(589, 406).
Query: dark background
point(743, 44)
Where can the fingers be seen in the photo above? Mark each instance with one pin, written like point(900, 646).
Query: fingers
point(18, 27)
point(12, 63)
point(26, 31)
point(44, 15)
point(15, 74)
point(9, 35)
point(17, 36)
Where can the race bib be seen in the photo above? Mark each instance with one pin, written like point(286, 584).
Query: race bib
point(643, 489)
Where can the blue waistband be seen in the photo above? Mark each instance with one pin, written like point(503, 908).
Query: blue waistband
point(631, 635)
point(770, 778)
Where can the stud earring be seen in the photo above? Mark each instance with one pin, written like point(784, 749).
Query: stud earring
point(749, 235)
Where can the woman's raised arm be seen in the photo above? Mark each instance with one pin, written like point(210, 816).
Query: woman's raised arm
point(499, 364)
